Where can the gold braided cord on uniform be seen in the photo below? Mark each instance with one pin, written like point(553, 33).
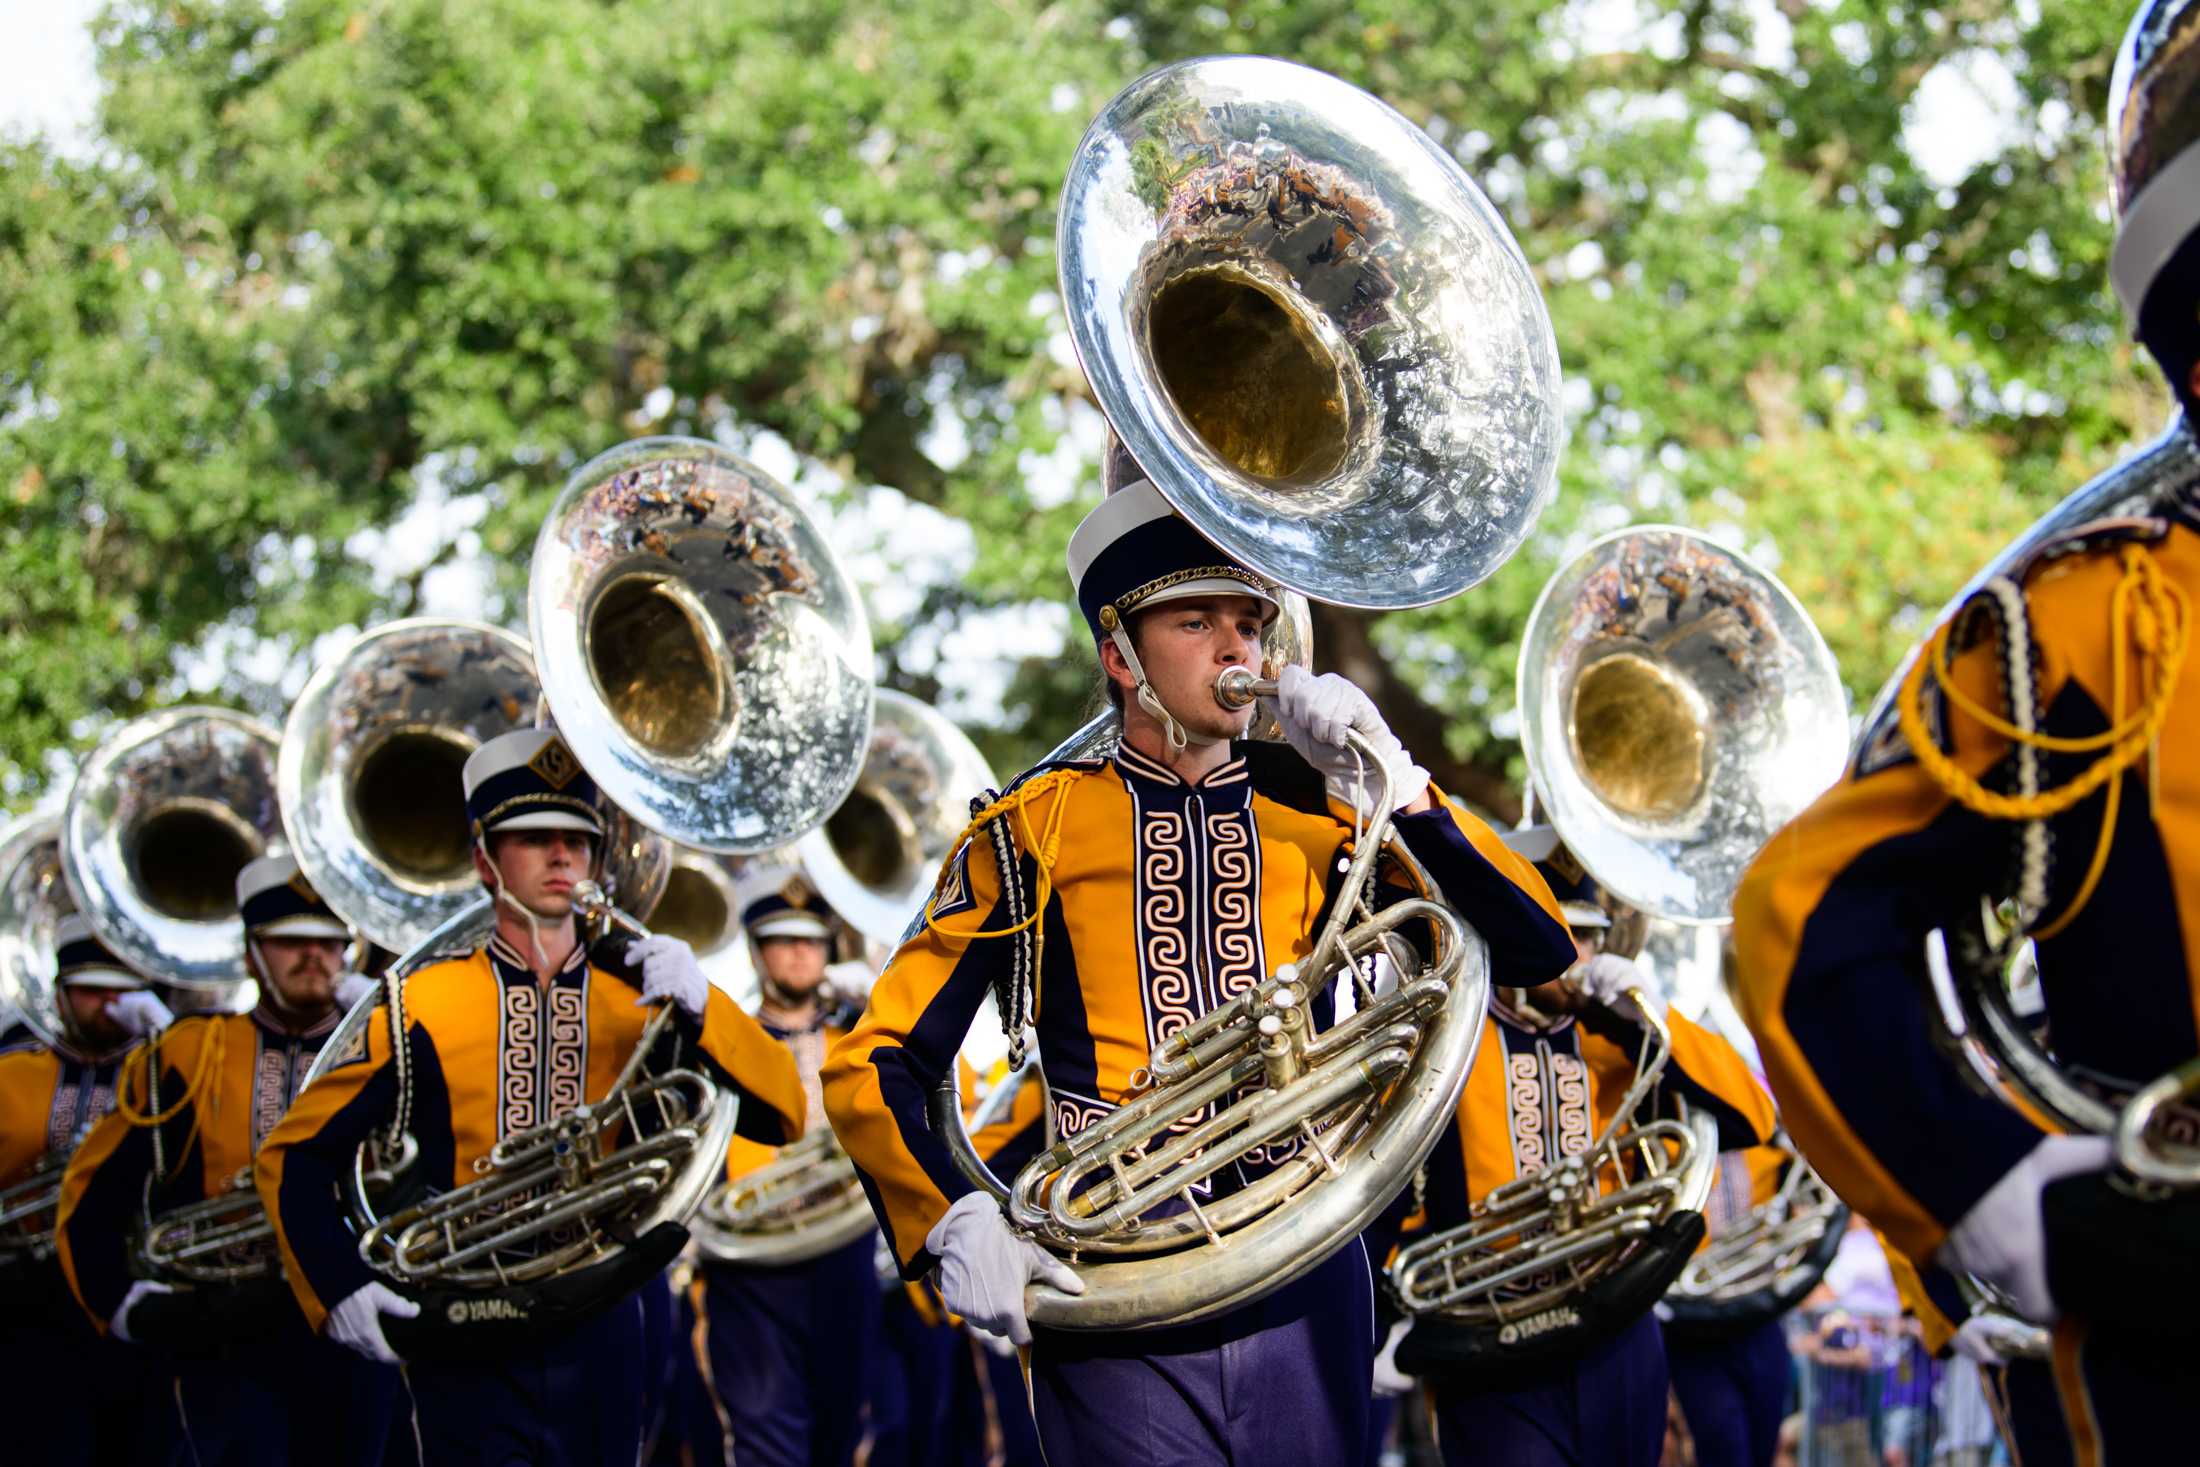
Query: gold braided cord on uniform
point(2147, 613)
point(1042, 849)
point(201, 1083)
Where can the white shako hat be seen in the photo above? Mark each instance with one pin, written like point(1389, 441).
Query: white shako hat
point(529, 780)
point(81, 958)
point(779, 901)
point(1136, 551)
point(275, 900)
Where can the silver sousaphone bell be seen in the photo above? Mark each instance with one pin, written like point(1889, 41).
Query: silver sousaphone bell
point(1677, 707)
point(163, 815)
point(34, 897)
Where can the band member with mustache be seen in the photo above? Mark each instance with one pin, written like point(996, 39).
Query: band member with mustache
point(251, 1383)
point(509, 1037)
point(1163, 881)
point(73, 1396)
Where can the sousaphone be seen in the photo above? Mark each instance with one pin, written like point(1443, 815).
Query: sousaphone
point(1677, 706)
point(699, 648)
point(162, 816)
point(1317, 339)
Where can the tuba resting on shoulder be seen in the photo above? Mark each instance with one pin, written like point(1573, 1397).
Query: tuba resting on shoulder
point(1980, 967)
point(1677, 707)
point(708, 663)
point(1314, 335)
point(2149, 1118)
point(162, 816)
point(1762, 1260)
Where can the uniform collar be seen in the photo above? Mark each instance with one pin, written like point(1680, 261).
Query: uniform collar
point(1230, 782)
point(271, 1019)
point(513, 968)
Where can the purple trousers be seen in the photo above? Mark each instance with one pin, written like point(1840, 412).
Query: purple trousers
point(1281, 1382)
point(790, 1355)
point(1605, 1409)
point(1733, 1394)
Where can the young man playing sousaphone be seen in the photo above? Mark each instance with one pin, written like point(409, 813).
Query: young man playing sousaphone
point(789, 1345)
point(1584, 1381)
point(251, 1383)
point(74, 1396)
point(1166, 880)
point(2040, 755)
point(510, 1037)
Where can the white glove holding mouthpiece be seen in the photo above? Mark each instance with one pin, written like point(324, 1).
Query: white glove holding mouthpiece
point(1996, 1339)
point(118, 1324)
point(356, 1323)
point(352, 987)
point(1317, 713)
point(1617, 983)
point(1389, 1381)
point(2003, 1239)
point(669, 970)
point(984, 1267)
point(141, 1014)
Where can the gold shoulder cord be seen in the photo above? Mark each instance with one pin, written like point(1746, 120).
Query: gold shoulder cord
point(2148, 619)
point(152, 1114)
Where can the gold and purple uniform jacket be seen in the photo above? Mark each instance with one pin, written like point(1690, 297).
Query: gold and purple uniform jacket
point(493, 1051)
point(1831, 920)
point(1536, 1096)
point(49, 1098)
point(206, 1144)
point(1166, 898)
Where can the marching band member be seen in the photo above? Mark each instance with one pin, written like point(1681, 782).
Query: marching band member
point(1553, 1068)
point(504, 1039)
point(75, 1397)
point(2039, 749)
point(790, 1346)
point(1164, 880)
point(251, 1383)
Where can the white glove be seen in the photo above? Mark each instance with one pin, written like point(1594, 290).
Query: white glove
point(1316, 713)
point(2003, 1240)
point(141, 1014)
point(669, 970)
point(356, 1323)
point(1996, 1339)
point(118, 1324)
point(1388, 1379)
point(352, 987)
point(1617, 983)
point(984, 1267)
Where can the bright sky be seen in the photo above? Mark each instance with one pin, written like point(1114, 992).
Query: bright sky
point(46, 77)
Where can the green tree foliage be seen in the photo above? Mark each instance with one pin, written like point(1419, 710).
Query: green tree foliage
point(339, 253)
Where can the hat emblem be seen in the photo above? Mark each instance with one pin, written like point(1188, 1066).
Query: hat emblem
point(798, 893)
point(303, 887)
point(555, 763)
point(1565, 863)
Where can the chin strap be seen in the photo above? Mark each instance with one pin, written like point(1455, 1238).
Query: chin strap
point(504, 898)
point(1177, 734)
